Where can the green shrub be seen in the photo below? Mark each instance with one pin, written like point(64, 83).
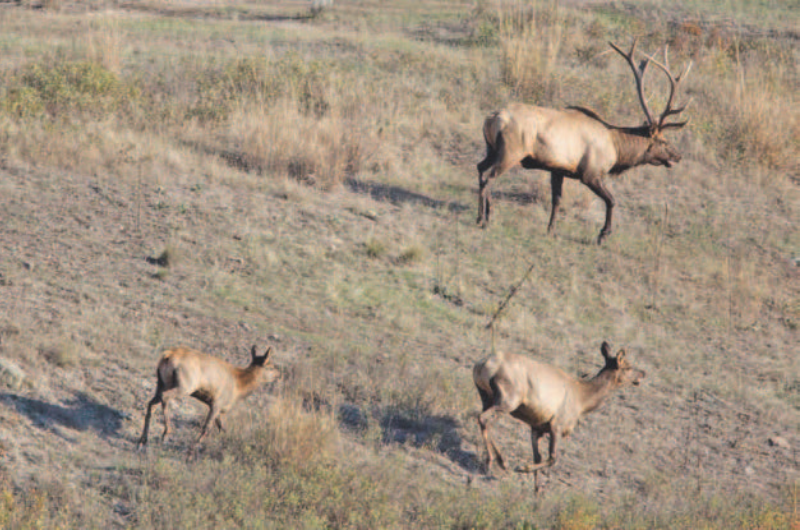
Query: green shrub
point(69, 87)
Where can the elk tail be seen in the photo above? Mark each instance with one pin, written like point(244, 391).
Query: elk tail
point(493, 128)
point(165, 374)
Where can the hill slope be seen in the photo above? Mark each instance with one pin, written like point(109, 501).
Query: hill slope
point(222, 175)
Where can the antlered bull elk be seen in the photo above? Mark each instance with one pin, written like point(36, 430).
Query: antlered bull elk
point(220, 385)
point(576, 143)
point(544, 397)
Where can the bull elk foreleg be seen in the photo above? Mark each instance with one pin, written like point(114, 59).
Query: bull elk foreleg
point(596, 185)
point(556, 185)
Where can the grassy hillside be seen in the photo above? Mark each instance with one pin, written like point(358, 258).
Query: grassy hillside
point(218, 174)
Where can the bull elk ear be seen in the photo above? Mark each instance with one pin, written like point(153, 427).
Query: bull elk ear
point(620, 356)
point(605, 349)
point(267, 353)
point(253, 354)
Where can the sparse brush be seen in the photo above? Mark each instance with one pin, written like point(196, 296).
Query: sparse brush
point(530, 50)
point(375, 248)
point(292, 438)
point(411, 254)
point(167, 258)
point(64, 354)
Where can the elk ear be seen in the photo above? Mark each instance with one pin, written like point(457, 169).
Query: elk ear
point(620, 356)
point(253, 354)
point(267, 353)
point(605, 349)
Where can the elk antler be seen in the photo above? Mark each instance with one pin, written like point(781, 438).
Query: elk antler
point(638, 74)
point(673, 87)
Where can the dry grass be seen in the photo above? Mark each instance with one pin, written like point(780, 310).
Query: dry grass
point(210, 173)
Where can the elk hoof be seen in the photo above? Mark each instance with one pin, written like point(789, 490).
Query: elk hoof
point(603, 235)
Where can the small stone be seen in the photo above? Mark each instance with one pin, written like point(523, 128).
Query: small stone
point(779, 441)
point(11, 375)
point(749, 470)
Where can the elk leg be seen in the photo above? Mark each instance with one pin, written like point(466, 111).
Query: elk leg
point(556, 184)
point(596, 185)
point(218, 423)
point(486, 163)
point(538, 464)
point(153, 402)
point(213, 415)
point(483, 166)
point(166, 399)
point(537, 457)
point(483, 201)
point(491, 448)
point(506, 156)
point(503, 401)
point(551, 460)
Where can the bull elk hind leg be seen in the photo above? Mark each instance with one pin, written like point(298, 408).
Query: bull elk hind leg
point(502, 154)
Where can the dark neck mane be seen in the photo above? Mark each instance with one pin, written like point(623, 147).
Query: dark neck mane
point(631, 142)
point(642, 130)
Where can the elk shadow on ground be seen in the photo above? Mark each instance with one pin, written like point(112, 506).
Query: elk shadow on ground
point(397, 195)
point(200, 13)
point(81, 413)
point(519, 197)
point(400, 425)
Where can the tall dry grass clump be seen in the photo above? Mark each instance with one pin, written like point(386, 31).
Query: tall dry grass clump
point(530, 39)
point(104, 44)
point(761, 127)
point(282, 139)
point(294, 438)
point(749, 117)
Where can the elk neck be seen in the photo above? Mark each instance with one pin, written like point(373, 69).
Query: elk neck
point(631, 144)
point(592, 393)
point(246, 379)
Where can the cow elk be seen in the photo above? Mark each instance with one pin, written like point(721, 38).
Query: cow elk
point(576, 143)
point(544, 397)
point(220, 385)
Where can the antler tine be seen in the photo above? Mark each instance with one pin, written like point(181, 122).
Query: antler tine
point(638, 74)
point(673, 87)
